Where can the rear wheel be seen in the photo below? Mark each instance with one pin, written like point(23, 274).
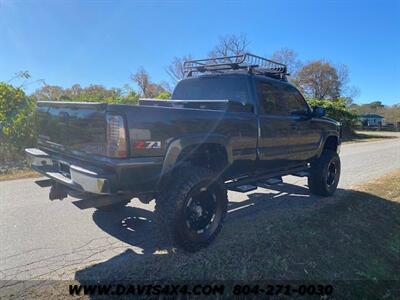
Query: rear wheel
point(191, 211)
point(325, 174)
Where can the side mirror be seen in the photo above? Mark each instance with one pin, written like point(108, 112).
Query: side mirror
point(318, 112)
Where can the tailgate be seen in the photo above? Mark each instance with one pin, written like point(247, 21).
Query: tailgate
point(72, 126)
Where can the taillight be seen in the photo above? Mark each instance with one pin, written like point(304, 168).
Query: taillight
point(116, 136)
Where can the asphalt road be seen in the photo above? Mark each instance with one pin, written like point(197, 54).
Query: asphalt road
point(40, 239)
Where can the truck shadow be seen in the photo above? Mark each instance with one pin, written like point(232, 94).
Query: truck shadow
point(135, 226)
point(362, 216)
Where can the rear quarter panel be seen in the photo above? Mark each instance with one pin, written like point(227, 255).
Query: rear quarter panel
point(238, 130)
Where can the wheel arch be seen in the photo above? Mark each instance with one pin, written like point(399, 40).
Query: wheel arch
point(331, 142)
point(190, 148)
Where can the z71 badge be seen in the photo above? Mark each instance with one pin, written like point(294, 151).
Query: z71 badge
point(147, 144)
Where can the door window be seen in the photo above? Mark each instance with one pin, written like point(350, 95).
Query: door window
point(295, 101)
point(270, 99)
point(280, 99)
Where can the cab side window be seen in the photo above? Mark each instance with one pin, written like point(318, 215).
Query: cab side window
point(271, 102)
point(295, 101)
point(280, 99)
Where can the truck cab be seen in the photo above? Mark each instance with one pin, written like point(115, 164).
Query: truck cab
point(289, 131)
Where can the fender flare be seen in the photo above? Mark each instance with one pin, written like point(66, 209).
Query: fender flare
point(328, 135)
point(177, 145)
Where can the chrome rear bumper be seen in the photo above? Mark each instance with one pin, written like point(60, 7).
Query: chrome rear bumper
point(69, 174)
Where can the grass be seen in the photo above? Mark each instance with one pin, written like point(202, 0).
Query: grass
point(19, 173)
point(368, 136)
point(357, 230)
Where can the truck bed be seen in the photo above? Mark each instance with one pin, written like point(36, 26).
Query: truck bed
point(79, 128)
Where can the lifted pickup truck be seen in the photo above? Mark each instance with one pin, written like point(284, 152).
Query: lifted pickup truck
point(233, 123)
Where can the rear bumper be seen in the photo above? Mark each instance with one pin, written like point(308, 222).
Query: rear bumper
point(73, 176)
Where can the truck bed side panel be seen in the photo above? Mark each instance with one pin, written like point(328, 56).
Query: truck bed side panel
point(163, 125)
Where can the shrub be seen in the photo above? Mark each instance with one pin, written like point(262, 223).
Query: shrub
point(17, 122)
point(338, 110)
point(164, 95)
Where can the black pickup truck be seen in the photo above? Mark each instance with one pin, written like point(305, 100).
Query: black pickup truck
point(233, 123)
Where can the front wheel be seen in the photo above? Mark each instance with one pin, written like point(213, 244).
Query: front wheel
point(191, 210)
point(325, 174)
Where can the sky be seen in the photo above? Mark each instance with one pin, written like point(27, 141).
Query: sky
point(103, 42)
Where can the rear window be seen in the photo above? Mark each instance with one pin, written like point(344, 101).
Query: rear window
point(213, 88)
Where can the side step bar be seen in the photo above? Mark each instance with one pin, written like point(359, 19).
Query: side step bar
point(242, 188)
point(251, 187)
point(267, 184)
point(301, 174)
point(251, 183)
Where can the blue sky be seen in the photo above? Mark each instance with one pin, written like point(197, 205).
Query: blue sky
point(102, 42)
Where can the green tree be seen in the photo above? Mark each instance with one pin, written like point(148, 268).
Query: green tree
point(129, 98)
point(338, 110)
point(164, 95)
point(49, 93)
point(92, 93)
point(17, 121)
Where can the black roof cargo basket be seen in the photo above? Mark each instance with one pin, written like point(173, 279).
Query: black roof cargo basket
point(250, 62)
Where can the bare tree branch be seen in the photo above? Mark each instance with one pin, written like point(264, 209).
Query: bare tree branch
point(21, 75)
point(175, 69)
point(289, 58)
point(230, 45)
point(147, 88)
point(141, 78)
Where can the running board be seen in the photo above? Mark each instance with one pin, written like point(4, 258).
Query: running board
point(251, 183)
point(242, 188)
point(267, 184)
point(301, 174)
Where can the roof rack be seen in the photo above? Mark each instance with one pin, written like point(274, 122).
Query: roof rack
point(247, 61)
